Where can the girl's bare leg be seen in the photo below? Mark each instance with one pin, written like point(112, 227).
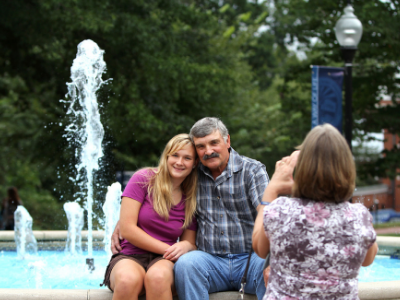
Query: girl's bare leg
point(127, 280)
point(159, 281)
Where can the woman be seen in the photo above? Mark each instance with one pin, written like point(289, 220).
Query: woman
point(8, 207)
point(157, 208)
point(318, 240)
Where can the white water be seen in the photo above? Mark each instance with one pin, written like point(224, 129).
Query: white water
point(111, 210)
point(75, 224)
point(24, 238)
point(37, 268)
point(86, 131)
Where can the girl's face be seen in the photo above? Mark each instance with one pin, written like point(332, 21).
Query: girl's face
point(182, 162)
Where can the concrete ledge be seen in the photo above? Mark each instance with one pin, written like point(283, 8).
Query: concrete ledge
point(51, 240)
point(28, 294)
point(379, 290)
point(7, 235)
point(59, 235)
point(52, 235)
point(388, 241)
point(389, 290)
point(97, 294)
point(388, 244)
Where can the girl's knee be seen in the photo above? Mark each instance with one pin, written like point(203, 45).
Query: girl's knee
point(128, 284)
point(159, 278)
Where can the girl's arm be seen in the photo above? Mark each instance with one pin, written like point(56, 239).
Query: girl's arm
point(187, 243)
point(132, 233)
point(369, 258)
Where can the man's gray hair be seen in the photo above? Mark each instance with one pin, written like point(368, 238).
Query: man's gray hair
point(207, 126)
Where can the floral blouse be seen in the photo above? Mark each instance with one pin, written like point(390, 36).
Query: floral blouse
point(317, 248)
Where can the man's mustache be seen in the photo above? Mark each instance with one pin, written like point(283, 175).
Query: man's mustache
point(212, 155)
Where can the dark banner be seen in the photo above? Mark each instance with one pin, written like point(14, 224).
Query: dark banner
point(326, 96)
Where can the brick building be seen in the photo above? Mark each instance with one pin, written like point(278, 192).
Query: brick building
point(391, 141)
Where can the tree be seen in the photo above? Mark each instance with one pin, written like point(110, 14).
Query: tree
point(309, 24)
point(172, 62)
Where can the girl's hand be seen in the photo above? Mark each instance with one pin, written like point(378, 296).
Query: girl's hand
point(177, 250)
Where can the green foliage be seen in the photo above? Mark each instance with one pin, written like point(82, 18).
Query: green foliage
point(375, 71)
point(172, 63)
point(387, 225)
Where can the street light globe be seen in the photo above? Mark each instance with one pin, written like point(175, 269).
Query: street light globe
point(348, 29)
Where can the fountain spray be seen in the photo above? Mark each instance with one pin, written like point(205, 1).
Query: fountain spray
point(86, 132)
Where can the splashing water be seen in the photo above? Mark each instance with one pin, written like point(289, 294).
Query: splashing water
point(111, 210)
point(37, 267)
point(24, 238)
point(86, 131)
point(75, 224)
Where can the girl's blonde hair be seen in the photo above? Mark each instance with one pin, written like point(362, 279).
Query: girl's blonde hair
point(325, 168)
point(160, 186)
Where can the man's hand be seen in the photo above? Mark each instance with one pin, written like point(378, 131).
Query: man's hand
point(266, 272)
point(115, 240)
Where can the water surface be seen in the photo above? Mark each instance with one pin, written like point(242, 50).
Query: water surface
point(57, 270)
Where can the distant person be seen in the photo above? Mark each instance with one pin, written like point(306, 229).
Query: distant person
point(158, 206)
point(317, 240)
point(8, 207)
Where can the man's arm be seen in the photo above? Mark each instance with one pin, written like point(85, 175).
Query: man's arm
point(257, 185)
point(115, 240)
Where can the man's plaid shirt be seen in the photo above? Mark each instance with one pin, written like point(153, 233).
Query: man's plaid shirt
point(226, 207)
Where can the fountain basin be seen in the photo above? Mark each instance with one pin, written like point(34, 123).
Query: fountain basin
point(50, 239)
point(56, 240)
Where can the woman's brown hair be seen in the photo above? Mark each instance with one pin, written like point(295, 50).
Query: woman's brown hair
point(325, 168)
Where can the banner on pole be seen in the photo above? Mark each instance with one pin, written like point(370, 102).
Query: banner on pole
point(326, 96)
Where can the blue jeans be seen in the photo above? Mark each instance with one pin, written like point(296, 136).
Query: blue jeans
point(198, 273)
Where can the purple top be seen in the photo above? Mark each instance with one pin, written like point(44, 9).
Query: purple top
point(148, 220)
point(317, 248)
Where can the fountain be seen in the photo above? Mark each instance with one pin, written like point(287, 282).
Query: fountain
point(111, 210)
point(24, 238)
point(75, 224)
point(37, 268)
point(85, 132)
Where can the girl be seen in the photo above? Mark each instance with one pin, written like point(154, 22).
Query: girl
point(157, 208)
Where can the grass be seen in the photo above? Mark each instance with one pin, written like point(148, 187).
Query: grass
point(387, 225)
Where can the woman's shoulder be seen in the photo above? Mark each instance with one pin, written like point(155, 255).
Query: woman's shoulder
point(358, 208)
point(284, 201)
point(361, 210)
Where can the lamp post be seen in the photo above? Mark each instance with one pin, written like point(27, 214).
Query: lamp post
point(348, 32)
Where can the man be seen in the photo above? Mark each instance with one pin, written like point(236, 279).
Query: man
point(230, 189)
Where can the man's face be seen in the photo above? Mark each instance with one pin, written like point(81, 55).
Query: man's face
point(213, 151)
